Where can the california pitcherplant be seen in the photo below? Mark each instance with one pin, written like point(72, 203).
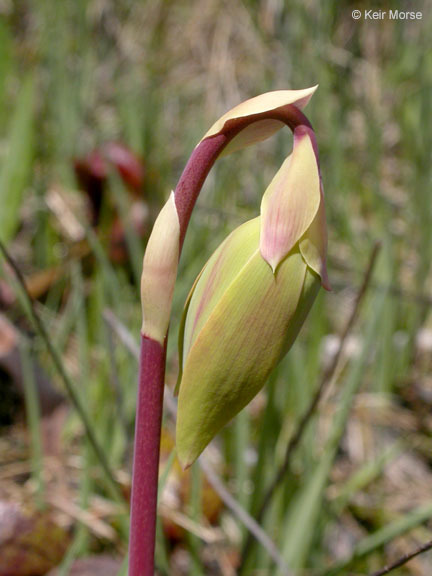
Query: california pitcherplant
point(245, 308)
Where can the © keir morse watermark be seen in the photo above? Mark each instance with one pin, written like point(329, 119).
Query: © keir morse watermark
point(372, 14)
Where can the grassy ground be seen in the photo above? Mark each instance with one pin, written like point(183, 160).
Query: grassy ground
point(155, 75)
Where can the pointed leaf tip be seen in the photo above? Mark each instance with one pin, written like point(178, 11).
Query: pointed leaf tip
point(291, 202)
point(160, 272)
point(313, 245)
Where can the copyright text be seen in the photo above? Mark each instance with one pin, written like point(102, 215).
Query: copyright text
point(386, 15)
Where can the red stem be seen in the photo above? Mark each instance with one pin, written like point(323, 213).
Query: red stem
point(193, 177)
point(153, 354)
point(146, 458)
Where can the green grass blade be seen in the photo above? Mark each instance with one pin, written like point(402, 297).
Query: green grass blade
point(195, 503)
point(366, 474)
point(382, 537)
point(303, 515)
point(15, 169)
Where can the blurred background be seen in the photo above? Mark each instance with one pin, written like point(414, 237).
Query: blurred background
point(101, 103)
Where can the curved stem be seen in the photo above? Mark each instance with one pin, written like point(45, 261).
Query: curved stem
point(208, 150)
point(193, 177)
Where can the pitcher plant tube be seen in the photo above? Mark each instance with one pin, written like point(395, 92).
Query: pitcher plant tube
point(246, 306)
